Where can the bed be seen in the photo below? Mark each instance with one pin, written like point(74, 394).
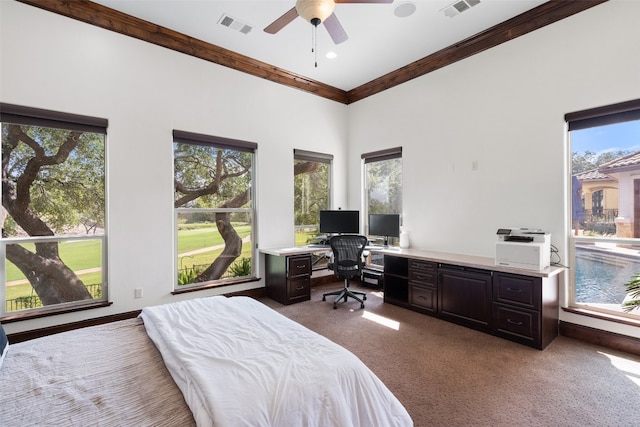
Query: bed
point(212, 361)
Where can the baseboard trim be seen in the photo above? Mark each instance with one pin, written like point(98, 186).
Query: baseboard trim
point(599, 337)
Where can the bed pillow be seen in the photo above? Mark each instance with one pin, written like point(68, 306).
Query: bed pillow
point(4, 344)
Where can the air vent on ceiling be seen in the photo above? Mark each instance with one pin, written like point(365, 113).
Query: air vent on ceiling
point(459, 7)
point(234, 24)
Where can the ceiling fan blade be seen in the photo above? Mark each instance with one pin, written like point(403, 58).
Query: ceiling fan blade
point(281, 22)
point(363, 1)
point(335, 30)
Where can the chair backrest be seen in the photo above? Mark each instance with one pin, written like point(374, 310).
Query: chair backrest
point(347, 254)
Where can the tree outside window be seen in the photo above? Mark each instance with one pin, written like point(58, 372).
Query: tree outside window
point(312, 178)
point(382, 187)
point(53, 199)
point(214, 209)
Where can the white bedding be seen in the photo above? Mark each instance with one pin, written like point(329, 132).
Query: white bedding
point(240, 363)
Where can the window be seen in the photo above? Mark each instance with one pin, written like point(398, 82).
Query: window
point(312, 183)
point(53, 197)
point(383, 182)
point(382, 187)
point(214, 210)
point(605, 206)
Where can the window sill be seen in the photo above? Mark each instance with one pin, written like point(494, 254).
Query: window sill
point(602, 316)
point(215, 285)
point(16, 317)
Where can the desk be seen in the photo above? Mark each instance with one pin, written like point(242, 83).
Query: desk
point(288, 271)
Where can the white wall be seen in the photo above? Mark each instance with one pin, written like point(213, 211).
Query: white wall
point(504, 109)
point(55, 63)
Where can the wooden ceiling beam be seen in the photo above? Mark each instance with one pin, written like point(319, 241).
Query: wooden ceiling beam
point(110, 19)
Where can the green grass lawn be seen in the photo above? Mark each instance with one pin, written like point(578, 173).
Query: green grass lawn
point(304, 237)
point(77, 255)
point(198, 238)
point(86, 254)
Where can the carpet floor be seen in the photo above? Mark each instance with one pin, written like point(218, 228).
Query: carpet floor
point(449, 375)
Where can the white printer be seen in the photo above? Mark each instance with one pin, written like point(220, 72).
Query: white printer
point(525, 248)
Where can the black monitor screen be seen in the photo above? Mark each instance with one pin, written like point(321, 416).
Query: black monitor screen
point(340, 221)
point(387, 225)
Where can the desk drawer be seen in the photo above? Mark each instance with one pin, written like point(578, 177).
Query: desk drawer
point(520, 323)
point(423, 273)
point(299, 288)
point(423, 297)
point(298, 266)
point(423, 266)
point(520, 290)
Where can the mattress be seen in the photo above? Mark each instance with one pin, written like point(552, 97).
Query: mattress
point(106, 375)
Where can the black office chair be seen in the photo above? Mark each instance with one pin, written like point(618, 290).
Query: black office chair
point(347, 263)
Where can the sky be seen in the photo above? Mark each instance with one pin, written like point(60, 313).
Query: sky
point(620, 136)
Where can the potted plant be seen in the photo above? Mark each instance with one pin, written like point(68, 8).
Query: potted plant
point(633, 294)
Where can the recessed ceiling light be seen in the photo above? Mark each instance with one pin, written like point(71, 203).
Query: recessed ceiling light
point(331, 55)
point(404, 9)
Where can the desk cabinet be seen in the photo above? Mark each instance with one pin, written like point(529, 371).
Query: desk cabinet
point(288, 278)
point(423, 285)
point(517, 307)
point(525, 309)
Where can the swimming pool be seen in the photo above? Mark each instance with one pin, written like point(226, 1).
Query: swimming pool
point(601, 275)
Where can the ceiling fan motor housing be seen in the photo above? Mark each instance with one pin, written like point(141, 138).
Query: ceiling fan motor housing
point(315, 11)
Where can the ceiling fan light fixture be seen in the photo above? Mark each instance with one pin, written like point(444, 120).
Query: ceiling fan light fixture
point(315, 11)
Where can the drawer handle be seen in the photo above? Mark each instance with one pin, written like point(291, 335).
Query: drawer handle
point(514, 290)
point(301, 266)
point(419, 277)
point(300, 288)
point(514, 323)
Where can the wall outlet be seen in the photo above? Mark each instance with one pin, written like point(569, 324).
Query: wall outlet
point(137, 292)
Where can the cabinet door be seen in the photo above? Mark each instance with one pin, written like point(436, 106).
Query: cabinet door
point(465, 297)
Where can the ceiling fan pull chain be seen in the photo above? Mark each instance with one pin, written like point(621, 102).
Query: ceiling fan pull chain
point(315, 44)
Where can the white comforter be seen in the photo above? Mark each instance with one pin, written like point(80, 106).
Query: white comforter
point(240, 363)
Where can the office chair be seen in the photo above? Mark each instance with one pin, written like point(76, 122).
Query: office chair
point(347, 263)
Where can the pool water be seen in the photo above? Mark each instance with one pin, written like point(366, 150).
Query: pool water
point(601, 278)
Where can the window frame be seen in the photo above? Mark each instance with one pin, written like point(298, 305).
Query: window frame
point(185, 137)
point(591, 118)
point(372, 157)
point(311, 156)
point(36, 117)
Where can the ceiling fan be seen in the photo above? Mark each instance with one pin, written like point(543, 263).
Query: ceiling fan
point(317, 12)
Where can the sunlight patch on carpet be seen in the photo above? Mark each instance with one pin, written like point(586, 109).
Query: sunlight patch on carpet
point(630, 368)
point(384, 321)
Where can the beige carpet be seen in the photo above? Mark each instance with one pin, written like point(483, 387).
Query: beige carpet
point(449, 375)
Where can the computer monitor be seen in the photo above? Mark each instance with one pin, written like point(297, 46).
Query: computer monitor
point(385, 225)
point(338, 222)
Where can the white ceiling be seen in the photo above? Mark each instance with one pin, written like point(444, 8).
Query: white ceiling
point(379, 41)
